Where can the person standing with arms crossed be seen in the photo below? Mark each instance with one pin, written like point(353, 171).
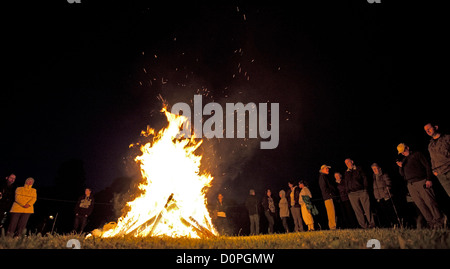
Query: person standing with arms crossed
point(439, 148)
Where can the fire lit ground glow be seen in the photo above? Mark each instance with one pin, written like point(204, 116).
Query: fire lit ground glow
point(173, 201)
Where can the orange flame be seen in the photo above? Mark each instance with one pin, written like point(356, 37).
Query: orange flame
point(173, 202)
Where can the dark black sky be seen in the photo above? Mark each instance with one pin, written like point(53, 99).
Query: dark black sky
point(353, 79)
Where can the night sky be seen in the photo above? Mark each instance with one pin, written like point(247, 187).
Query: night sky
point(353, 79)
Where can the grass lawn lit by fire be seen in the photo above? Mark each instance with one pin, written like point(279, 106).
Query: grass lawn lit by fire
point(338, 239)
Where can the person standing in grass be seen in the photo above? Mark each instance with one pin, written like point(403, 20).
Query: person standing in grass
point(252, 206)
point(83, 209)
point(22, 208)
point(439, 148)
point(293, 199)
point(220, 215)
point(269, 209)
point(382, 186)
point(357, 185)
point(306, 205)
point(284, 210)
point(7, 192)
point(328, 193)
point(416, 171)
point(348, 219)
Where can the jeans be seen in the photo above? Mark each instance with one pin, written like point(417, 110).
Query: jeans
point(254, 224)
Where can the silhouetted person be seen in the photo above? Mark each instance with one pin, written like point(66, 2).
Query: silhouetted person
point(221, 218)
point(83, 209)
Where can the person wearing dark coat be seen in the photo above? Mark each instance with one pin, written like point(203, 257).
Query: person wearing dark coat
point(348, 218)
point(252, 206)
point(293, 196)
point(357, 185)
point(269, 210)
point(220, 215)
point(328, 193)
point(83, 209)
point(416, 171)
point(7, 196)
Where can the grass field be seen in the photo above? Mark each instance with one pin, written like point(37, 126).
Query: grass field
point(339, 239)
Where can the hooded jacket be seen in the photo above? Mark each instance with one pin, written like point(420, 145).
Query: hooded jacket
point(24, 195)
point(355, 179)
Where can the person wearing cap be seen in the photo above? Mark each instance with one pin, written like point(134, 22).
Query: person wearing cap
point(356, 184)
point(416, 171)
point(439, 148)
point(328, 193)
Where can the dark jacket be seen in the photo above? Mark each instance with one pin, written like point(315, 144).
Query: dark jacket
point(296, 196)
point(440, 154)
point(381, 186)
point(7, 196)
point(415, 167)
point(221, 207)
point(327, 188)
point(355, 179)
point(252, 205)
point(266, 203)
point(84, 206)
point(343, 195)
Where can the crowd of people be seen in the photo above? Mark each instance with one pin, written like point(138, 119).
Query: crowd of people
point(17, 205)
point(352, 195)
point(348, 193)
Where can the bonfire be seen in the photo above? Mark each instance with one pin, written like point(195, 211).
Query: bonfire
point(173, 201)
